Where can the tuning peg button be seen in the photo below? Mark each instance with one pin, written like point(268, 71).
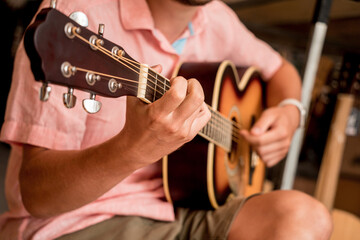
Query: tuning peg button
point(91, 105)
point(53, 3)
point(45, 92)
point(69, 98)
point(101, 29)
point(80, 18)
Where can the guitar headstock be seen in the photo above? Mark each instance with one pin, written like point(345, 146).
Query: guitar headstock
point(64, 53)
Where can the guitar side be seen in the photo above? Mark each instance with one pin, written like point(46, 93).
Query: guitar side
point(208, 177)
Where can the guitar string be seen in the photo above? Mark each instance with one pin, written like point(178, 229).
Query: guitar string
point(110, 54)
point(235, 134)
point(215, 124)
point(218, 120)
point(214, 121)
point(134, 64)
point(217, 116)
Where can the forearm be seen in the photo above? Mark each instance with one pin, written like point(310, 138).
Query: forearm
point(53, 182)
point(286, 83)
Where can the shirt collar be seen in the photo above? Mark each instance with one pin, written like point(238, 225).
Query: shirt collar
point(135, 14)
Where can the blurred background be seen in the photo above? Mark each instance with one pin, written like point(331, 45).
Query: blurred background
point(287, 25)
point(15, 16)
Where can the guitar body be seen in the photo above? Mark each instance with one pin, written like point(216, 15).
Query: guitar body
point(201, 174)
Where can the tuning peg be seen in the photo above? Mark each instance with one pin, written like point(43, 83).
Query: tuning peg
point(80, 18)
point(53, 3)
point(101, 29)
point(45, 92)
point(69, 98)
point(91, 105)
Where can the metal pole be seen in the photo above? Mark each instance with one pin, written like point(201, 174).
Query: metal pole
point(322, 11)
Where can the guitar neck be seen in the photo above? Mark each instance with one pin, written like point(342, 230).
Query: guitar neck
point(219, 130)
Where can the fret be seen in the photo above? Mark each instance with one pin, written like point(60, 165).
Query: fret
point(151, 87)
point(155, 87)
point(222, 130)
point(166, 84)
point(160, 85)
point(212, 127)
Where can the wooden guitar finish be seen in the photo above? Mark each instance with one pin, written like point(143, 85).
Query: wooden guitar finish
point(204, 173)
point(201, 174)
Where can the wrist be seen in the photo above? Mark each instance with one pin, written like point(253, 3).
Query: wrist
point(296, 103)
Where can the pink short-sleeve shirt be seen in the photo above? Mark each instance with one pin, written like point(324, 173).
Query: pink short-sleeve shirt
point(215, 35)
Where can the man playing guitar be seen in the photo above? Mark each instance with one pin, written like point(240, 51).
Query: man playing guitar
point(74, 175)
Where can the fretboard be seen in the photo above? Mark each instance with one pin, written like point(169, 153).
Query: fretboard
point(218, 130)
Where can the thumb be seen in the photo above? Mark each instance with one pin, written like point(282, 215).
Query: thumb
point(262, 124)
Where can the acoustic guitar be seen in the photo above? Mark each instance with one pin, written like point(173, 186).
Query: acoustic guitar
point(203, 173)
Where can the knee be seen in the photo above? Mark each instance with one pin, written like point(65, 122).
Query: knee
point(300, 211)
point(282, 215)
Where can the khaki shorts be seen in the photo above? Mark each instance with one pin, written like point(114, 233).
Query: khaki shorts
point(189, 224)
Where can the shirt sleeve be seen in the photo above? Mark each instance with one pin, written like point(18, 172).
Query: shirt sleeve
point(31, 121)
point(248, 50)
point(50, 124)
